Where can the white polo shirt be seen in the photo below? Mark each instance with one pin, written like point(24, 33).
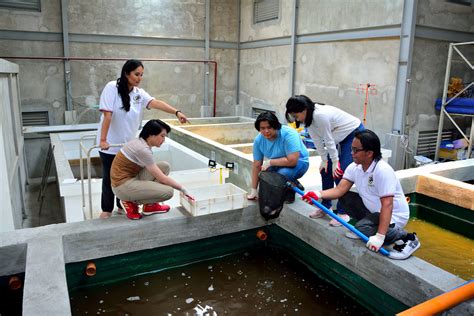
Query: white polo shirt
point(377, 182)
point(124, 125)
point(329, 127)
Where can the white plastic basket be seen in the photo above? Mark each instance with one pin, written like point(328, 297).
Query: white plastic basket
point(214, 199)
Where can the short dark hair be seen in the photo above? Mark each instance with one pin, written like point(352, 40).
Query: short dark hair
point(298, 104)
point(154, 127)
point(270, 118)
point(370, 141)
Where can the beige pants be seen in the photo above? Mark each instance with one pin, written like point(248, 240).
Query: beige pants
point(144, 189)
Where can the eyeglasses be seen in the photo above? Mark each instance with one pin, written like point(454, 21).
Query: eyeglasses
point(355, 150)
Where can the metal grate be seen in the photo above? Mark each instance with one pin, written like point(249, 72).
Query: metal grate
point(35, 118)
point(265, 10)
point(462, 2)
point(256, 112)
point(426, 145)
point(29, 5)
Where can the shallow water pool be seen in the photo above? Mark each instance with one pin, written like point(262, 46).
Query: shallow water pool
point(263, 282)
point(449, 251)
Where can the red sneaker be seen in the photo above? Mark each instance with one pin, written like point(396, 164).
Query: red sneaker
point(155, 208)
point(131, 209)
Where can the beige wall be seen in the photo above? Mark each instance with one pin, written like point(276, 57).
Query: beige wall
point(329, 72)
point(317, 16)
point(181, 84)
point(171, 19)
point(48, 20)
point(333, 73)
point(445, 15)
point(264, 74)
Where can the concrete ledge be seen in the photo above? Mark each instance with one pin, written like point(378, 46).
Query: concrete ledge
point(50, 248)
point(45, 291)
point(13, 258)
point(461, 170)
point(119, 235)
point(411, 281)
point(451, 191)
point(8, 67)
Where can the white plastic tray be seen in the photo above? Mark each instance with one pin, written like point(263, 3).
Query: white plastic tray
point(213, 199)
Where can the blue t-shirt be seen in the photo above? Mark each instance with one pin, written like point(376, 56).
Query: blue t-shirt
point(288, 141)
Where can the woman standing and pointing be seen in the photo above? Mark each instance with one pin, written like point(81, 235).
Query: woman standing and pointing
point(122, 103)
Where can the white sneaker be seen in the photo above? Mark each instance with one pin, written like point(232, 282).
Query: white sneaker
point(406, 249)
point(335, 223)
point(317, 213)
point(351, 235)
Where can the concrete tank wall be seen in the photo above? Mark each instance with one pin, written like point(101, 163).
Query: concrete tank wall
point(186, 167)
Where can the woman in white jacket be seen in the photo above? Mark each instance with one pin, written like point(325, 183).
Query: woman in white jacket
point(332, 131)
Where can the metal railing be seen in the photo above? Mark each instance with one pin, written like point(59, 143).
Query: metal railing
point(445, 101)
point(87, 151)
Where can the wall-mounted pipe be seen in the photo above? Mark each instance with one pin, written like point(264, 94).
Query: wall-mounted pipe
point(91, 269)
point(67, 66)
point(443, 302)
point(207, 28)
point(262, 235)
point(403, 85)
point(237, 95)
point(14, 283)
point(294, 21)
point(124, 59)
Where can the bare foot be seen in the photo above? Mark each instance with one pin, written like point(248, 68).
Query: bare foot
point(105, 215)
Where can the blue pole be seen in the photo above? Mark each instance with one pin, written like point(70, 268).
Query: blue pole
point(340, 220)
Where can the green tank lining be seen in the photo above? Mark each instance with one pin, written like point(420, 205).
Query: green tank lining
point(116, 268)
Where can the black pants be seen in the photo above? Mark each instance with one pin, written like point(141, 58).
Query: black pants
point(367, 222)
point(107, 199)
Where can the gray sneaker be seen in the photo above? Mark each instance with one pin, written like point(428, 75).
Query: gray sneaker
point(120, 211)
point(406, 249)
point(351, 235)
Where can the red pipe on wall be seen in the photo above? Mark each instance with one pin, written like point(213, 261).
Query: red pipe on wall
point(142, 59)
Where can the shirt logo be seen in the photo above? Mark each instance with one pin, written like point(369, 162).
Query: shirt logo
point(371, 180)
point(136, 98)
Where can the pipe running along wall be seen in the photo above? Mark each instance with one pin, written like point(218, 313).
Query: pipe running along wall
point(204, 61)
point(442, 302)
